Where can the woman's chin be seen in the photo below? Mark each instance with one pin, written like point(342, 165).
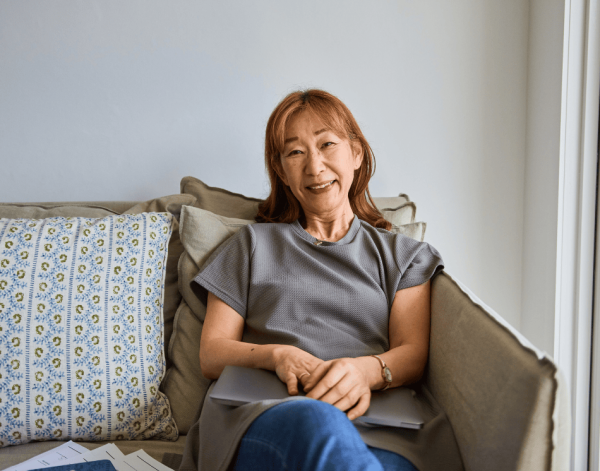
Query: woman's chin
point(330, 207)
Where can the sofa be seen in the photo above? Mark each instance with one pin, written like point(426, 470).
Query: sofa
point(506, 401)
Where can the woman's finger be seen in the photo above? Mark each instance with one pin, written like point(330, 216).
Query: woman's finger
point(292, 384)
point(344, 390)
point(303, 379)
point(316, 375)
point(361, 406)
point(333, 376)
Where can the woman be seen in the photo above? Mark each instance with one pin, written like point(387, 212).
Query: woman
point(321, 293)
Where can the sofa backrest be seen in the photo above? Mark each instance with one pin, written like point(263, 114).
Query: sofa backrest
point(90, 209)
point(506, 400)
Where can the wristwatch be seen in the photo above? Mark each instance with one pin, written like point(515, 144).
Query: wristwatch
point(385, 373)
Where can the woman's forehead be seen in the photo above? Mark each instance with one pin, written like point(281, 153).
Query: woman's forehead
point(307, 121)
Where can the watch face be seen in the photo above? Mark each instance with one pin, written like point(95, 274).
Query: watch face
point(387, 374)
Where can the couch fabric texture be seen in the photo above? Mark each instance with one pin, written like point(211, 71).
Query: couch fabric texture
point(475, 357)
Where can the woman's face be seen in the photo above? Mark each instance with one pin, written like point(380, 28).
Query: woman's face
point(318, 165)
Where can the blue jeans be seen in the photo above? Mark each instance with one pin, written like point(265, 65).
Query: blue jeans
point(310, 435)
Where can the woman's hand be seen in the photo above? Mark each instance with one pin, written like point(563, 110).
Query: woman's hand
point(345, 383)
point(292, 364)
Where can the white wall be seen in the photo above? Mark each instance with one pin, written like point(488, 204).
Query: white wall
point(542, 171)
point(118, 100)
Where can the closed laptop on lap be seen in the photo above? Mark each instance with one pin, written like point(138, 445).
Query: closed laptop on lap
point(238, 386)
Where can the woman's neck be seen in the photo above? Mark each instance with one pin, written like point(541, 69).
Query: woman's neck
point(329, 228)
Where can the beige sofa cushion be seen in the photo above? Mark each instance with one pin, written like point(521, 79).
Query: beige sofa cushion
point(415, 230)
point(387, 202)
point(504, 398)
point(219, 201)
point(42, 211)
point(201, 233)
point(403, 214)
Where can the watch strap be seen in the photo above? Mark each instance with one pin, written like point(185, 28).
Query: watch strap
point(383, 368)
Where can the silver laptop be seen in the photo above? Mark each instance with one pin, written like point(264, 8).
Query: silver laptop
point(238, 386)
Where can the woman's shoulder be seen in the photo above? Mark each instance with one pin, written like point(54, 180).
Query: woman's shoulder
point(402, 249)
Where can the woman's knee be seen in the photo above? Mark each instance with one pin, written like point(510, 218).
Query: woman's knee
point(308, 432)
point(307, 415)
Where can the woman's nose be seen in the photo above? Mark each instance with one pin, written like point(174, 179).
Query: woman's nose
point(315, 164)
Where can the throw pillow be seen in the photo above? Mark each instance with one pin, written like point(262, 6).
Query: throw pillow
point(404, 214)
point(416, 230)
point(201, 233)
point(219, 201)
point(81, 328)
point(171, 204)
point(383, 202)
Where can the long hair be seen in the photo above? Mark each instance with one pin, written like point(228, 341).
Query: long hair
point(281, 205)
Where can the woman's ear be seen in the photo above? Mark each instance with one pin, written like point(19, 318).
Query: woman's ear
point(358, 153)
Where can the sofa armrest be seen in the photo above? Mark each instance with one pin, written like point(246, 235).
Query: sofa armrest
point(506, 400)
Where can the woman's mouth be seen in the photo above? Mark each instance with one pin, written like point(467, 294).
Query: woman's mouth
point(318, 187)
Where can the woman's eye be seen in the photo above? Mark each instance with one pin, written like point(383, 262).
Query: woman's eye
point(294, 152)
point(327, 144)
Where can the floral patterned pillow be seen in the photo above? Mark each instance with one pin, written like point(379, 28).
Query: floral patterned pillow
point(81, 328)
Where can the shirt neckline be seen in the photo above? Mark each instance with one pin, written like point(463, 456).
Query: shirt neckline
point(354, 227)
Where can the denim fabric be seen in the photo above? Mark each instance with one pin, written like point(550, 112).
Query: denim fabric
point(310, 435)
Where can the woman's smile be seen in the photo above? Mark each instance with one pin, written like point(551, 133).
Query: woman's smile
point(323, 186)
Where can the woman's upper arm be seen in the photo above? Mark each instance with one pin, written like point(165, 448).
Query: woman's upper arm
point(410, 318)
point(221, 321)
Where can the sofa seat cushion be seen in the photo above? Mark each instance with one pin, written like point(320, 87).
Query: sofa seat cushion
point(162, 451)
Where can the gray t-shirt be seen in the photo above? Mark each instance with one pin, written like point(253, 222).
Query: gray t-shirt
point(332, 300)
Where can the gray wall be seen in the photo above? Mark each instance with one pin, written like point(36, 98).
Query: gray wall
point(119, 100)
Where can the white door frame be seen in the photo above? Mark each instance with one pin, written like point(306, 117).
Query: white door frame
point(577, 215)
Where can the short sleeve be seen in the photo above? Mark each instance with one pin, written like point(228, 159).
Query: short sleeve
point(226, 273)
point(422, 264)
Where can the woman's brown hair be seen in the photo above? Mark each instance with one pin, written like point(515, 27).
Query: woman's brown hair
point(281, 205)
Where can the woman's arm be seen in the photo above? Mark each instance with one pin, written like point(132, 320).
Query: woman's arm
point(221, 345)
point(410, 319)
point(347, 382)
